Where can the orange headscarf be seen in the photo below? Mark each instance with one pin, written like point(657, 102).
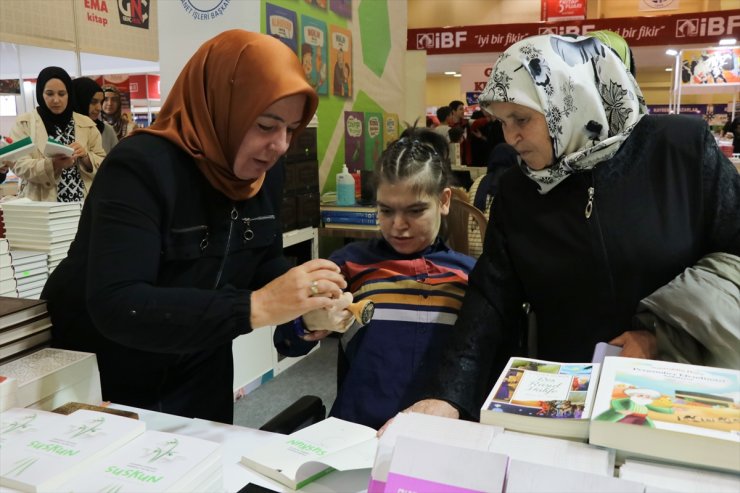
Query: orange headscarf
point(217, 97)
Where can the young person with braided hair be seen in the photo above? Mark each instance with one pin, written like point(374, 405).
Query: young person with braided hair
point(414, 279)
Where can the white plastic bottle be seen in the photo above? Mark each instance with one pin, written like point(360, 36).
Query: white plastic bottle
point(345, 187)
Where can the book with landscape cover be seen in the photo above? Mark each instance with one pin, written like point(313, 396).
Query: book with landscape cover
point(543, 397)
point(297, 459)
point(43, 460)
point(669, 411)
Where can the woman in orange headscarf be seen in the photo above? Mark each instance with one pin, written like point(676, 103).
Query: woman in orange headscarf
point(179, 248)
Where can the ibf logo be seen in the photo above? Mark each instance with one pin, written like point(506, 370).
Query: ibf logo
point(710, 26)
point(430, 41)
point(561, 30)
point(687, 28)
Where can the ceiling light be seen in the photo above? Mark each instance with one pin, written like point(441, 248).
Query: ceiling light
point(457, 75)
point(668, 69)
point(450, 73)
point(671, 52)
point(727, 42)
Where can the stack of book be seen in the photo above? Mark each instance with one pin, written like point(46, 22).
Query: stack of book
point(23, 273)
point(47, 227)
point(350, 217)
point(24, 327)
point(98, 451)
point(666, 411)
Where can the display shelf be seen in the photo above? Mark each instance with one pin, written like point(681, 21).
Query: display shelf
point(255, 358)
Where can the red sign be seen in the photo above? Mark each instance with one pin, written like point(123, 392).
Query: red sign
point(144, 86)
point(563, 10)
point(679, 29)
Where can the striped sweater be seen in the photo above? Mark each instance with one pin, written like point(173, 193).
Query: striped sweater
point(417, 299)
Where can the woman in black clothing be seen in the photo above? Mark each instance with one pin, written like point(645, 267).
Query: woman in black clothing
point(607, 205)
point(179, 248)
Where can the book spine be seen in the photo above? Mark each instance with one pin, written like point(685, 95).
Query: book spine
point(369, 215)
point(350, 220)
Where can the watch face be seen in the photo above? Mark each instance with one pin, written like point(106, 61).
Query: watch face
point(367, 312)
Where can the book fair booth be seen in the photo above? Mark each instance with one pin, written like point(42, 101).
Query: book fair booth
point(612, 424)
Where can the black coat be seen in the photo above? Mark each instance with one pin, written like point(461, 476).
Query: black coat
point(667, 198)
point(159, 276)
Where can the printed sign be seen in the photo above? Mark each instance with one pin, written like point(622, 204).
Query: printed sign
point(373, 139)
point(354, 141)
point(342, 8)
point(314, 54)
point(710, 66)
point(563, 10)
point(340, 45)
point(658, 5)
point(695, 28)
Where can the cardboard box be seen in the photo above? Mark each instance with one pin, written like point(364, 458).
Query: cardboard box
point(51, 377)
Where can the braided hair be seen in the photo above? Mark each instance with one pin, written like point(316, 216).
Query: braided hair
point(421, 157)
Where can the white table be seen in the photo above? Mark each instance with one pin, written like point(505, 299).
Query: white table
point(237, 440)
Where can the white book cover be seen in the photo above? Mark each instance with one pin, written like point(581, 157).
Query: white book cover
point(155, 461)
point(556, 452)
point(54, 148)
point(20, 274)
point(434, 429)
point(17, 149)
point(666, 477)
point(543, 397)
point(670, 411)
point(22, 259)
point(6, 272)
point(308, 454)
point(50, 370)
point(70, 220)
point(43, 460)
point(27, 205)
point(19, 422)
point(40, 236)
point(527, 477)
point(421, 466)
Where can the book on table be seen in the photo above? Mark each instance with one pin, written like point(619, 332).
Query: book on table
point(337, 209)
point(26, 328)
point(297, 459)
point(528, 477)
point(17, 149)
point(669, 411)
point(543, 397)
point(43, 460)
point(19, 422)
point(154, 461)
point(362, 227)
point(14, 311)
point(659, 477)
point(434, 430)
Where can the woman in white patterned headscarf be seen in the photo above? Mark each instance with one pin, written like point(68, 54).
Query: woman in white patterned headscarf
point(607, 205)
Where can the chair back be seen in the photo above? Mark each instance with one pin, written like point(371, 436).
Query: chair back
point(458, 230)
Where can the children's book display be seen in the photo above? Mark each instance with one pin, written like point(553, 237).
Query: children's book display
point(672, 411)
point(543, 397)
point(297, 459)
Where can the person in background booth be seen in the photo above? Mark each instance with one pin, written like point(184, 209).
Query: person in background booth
point(179, 248)
point(608, 204)
point(58, 178)
point(88, 100)
point(415, 280)
point(112, 112)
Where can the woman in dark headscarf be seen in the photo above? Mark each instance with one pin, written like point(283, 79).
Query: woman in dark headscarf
point(57, 178)
point(88, 99)
point(112, 111)
point(179, 249)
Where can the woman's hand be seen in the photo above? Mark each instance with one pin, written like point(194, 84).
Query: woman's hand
point(311, 286)
point(81, 153)
point(335, 318)
point(61, 162)
point(435, 407)
point(637, 344)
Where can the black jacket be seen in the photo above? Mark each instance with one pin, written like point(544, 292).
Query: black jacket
point(666, 199)
point(159, 276)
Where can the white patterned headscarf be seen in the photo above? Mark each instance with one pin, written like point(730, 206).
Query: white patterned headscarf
point(590, 101)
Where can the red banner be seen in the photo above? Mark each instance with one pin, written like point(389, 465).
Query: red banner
point(680, 29)
point(563, 10)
